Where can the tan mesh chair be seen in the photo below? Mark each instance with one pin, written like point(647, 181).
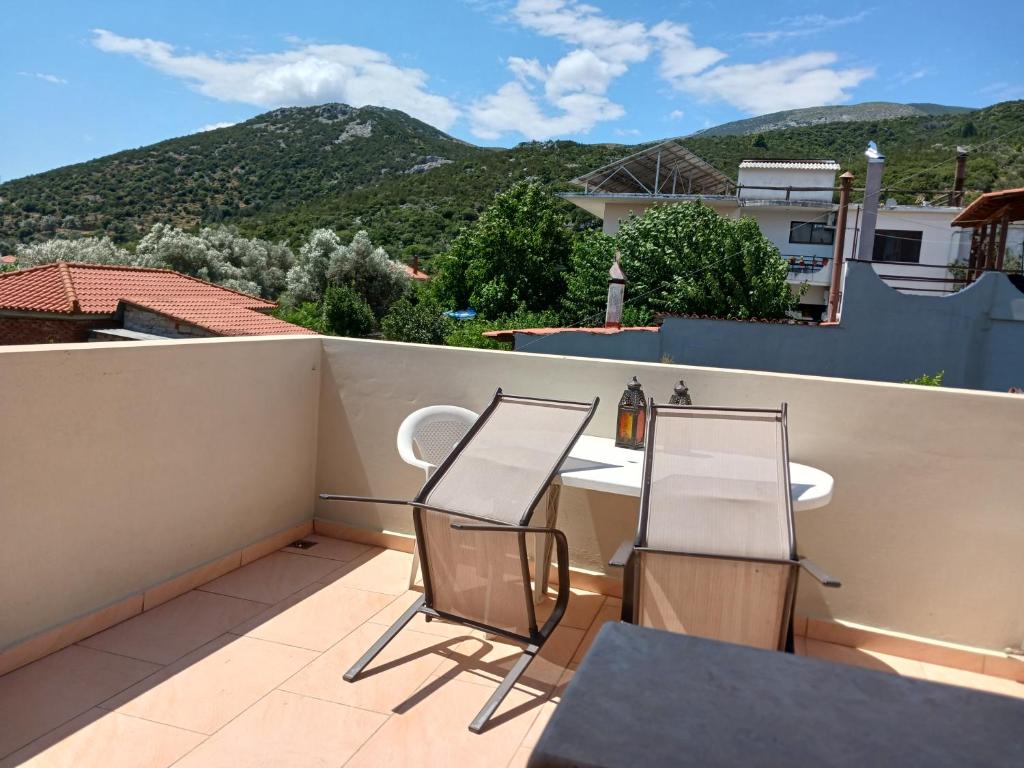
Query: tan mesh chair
point(471, 520)
point(715, 551)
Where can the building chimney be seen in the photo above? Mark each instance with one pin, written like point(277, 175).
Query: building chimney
point(616, 294)
point(835, 291)
point(957, 196)
point(872, 191)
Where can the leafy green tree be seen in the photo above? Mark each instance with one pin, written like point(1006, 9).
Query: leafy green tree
point(376, 277)
point(928, 380)
point(418, 320)
point(513, 258)
point(686, 258)
point(586, 289)
point(345, 312)
point(308, 315)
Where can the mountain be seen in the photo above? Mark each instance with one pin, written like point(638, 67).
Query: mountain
point(847, 113)
point(413, 187)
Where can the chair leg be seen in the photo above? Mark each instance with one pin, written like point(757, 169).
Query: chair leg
point(542, 553)
point(506, 685)
point(386, 638)
point(415, 565)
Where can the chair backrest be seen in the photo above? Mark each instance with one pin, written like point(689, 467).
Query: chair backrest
point(497, 474)
point(428, 435)
point(718, 483)
point(716, 491)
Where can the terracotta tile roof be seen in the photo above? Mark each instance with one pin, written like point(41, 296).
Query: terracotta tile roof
point(69, 288)
point(801, 165)
point(8, 259)
point(415, 274)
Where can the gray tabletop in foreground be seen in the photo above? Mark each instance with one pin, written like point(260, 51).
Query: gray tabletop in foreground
point(645, 697)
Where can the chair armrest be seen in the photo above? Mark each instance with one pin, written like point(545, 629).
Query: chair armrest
point(818, 573)
point(621, 556)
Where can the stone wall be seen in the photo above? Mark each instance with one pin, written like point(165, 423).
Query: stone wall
point(145, 321)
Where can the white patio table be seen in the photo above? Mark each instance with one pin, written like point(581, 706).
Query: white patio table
point(597, 464)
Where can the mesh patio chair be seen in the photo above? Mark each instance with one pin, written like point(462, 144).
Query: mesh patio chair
point(472, 517)
point(715, 550)
point(424, 440)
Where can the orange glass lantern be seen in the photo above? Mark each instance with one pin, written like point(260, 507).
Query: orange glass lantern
point(631, 418)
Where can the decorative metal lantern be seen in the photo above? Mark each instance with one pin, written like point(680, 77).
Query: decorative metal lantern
point(681, 395)
point(631, 420)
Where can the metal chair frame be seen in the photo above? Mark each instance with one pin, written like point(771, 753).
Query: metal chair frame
point(425, 604)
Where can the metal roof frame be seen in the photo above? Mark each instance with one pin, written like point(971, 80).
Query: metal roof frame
point(666, 168)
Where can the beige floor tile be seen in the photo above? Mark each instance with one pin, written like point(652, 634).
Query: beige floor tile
point(396, 608)
point(379, 570)
point(610, 611)
point(315, 617)
point(176, 627)
point(580, 613)
point(101, 739)
point(841, 654)
point(285, 730)
point(387, 682)
point(975, 680)
point(487, 660)
point(210, 686)
point(272, 578)
point(546, 711)
point(332, 549)
point(434, 731)
point(41, 696)
point(520, 758)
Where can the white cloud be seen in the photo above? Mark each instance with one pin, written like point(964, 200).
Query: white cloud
point(770, 86)
point(575, 93)
point(212, 127)
point(309, 74)
point(802, 26)
point(45, 76)
point(676, 114)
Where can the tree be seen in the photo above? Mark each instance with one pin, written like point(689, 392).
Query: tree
point(85, 250)
point(369, 270)
point(586, 289)
point(686, 258)
point(345, 313)
point(512, 258)
point(417, 321)
point(307, 280)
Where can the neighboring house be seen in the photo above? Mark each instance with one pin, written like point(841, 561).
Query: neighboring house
point(792, 202)
point(415, 273)
point(68, 302)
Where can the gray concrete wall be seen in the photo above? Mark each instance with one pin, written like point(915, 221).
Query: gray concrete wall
point(975, 336)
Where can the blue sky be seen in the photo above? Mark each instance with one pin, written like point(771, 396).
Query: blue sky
point(83, 79)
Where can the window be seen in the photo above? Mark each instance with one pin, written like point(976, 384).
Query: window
point(897, 245)
point(811, 233)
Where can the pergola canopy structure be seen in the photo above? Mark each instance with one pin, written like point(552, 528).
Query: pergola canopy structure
point(664, 169)
point(989, 217)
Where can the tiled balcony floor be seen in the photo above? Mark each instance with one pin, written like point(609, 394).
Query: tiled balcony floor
point(247, 671)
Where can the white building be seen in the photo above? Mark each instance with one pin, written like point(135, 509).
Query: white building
point(792, 201)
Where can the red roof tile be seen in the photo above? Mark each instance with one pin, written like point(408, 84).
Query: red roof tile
point(415, 274)
point(68, 288)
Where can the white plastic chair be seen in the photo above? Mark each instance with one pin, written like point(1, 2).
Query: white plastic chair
point(431, 432)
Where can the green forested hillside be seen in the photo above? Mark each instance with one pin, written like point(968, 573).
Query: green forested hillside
point(412, 187)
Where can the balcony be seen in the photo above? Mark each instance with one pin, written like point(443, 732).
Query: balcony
point(153, 611)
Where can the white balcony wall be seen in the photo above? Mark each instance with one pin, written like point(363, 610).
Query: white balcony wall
point(925, 528)
point(127, 463)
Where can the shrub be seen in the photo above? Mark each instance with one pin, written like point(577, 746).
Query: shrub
point(418, 322)
point(345, 313)
point(926, 380)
